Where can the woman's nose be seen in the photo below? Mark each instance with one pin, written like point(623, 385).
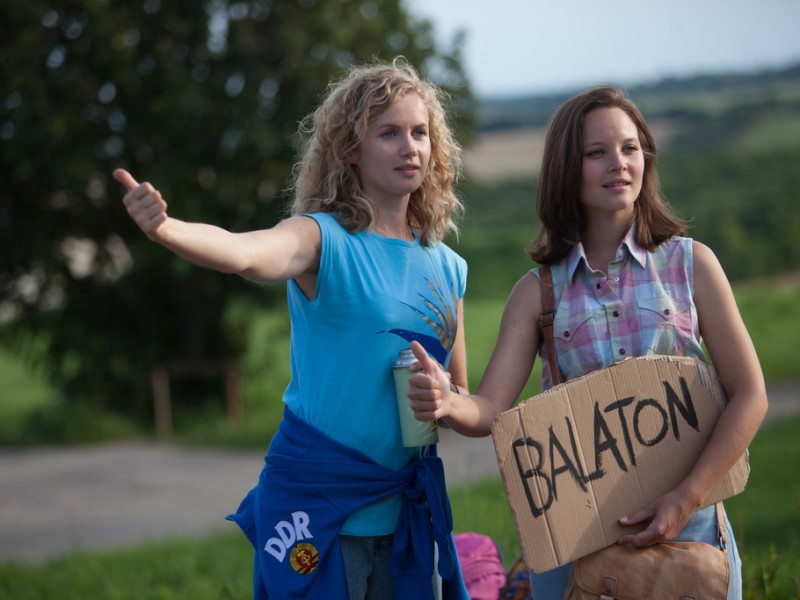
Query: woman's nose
point(409, 146)
point(618, 162)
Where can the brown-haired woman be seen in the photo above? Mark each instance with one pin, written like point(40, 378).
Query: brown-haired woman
point(616, 252)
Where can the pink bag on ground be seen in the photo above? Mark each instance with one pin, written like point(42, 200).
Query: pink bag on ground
point(481, 565)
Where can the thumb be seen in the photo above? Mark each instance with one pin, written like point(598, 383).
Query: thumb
point(426, 362)
point(641, 515)
point(125, 179)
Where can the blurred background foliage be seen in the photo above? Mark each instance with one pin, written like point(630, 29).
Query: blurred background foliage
point(204, 100)
point(201, 98)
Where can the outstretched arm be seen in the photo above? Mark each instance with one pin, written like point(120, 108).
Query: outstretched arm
point(506, 375)
point(735, 360)
point(288, 250)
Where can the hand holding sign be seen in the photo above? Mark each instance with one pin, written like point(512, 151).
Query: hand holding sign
point(665, 518)
point(144, 204)
point(429, 388)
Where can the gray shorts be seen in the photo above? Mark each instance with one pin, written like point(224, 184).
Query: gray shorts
point(368, 567)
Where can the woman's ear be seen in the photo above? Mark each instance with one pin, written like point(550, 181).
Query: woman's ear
point(353, 152)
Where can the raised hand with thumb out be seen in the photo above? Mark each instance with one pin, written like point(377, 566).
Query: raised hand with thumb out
point(143, 203)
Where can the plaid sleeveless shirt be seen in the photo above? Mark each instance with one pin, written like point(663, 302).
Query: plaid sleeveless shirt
point(643, 305)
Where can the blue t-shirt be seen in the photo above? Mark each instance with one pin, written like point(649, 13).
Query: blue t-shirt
point(373, 296)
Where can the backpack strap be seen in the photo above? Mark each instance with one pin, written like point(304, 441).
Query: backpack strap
point(546, 320)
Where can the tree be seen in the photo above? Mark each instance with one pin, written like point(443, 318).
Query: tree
point(203, 100)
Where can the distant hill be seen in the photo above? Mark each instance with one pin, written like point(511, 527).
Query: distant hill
point(729, 150)
point(705, 93)
point(750, 112)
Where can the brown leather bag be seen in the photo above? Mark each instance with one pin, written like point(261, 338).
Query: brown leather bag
point(669, 570)
point(674, 570)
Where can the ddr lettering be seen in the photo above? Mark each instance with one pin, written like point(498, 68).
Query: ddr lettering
point(288, 535)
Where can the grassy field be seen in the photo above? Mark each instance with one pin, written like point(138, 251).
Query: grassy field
point(765, 518)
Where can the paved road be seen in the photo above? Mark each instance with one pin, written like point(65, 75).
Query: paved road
point(55, 501)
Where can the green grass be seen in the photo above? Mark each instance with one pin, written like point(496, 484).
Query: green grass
point(216, 568)
point(31, 414)
point(481, 324)
point(771, 311)
point(23, 388)
point(765, 518)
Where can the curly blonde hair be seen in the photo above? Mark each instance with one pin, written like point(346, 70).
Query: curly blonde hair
point(323, 180)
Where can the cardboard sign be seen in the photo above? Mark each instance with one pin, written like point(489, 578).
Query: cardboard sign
point(577, 457)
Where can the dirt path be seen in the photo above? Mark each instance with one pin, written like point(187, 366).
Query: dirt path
point(55, 501)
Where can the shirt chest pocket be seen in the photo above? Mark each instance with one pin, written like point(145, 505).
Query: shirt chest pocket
point(575, 335)
point(573, 329)
point(663, 309)
point(665, 324)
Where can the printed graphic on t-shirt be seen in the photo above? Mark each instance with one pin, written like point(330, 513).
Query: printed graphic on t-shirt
point(440, 316)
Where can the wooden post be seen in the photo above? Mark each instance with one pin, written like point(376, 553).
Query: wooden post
point(162, 404)
point(233, 398)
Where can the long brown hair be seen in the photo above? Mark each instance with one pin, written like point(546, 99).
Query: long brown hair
point(558, 198)
point(324, 180)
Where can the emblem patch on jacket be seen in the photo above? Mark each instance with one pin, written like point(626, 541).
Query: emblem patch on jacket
point(304, 558)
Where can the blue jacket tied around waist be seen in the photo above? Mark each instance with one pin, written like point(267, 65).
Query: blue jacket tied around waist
point(308, 487)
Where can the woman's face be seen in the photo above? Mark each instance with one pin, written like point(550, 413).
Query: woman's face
point(392, 159)
point(613, 162)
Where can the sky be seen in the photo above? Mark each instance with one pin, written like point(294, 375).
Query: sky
point(517, 47)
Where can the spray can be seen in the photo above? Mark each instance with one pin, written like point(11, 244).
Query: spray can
point(415, 432)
